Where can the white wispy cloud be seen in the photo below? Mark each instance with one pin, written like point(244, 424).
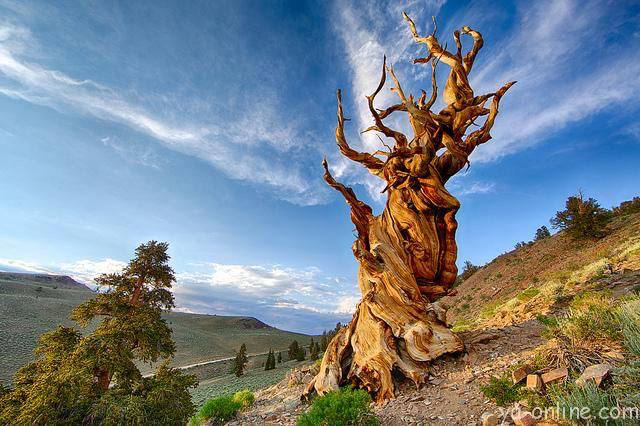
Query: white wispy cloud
point(552, 52)
point(84, 270)
point(16, 265)
point(87, 270)
point(245, 149)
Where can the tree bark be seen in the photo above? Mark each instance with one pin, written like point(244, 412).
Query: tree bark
point(407, 254)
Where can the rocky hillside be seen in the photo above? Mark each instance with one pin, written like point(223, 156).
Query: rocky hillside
point(518, 285)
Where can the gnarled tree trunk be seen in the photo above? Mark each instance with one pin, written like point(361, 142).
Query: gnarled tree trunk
point(407, 254)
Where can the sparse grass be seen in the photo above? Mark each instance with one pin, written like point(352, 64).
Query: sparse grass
point(490, 309)
point(346, 407)
point(462, 325)
point(528, 294)
point(595, 316)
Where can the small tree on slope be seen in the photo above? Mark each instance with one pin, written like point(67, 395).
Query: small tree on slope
point(94, 379)
point(240, 361)
point(582, 218)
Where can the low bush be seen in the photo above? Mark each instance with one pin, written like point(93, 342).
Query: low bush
point(244, 397)
point(345, 407)
point(502, 390)
point(223, 408)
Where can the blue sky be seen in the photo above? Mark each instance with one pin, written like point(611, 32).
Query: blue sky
point(204, 123)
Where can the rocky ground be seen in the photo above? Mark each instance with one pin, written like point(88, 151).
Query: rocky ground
point(452, 395)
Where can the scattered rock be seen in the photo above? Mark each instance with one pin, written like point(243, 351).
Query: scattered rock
point(489, 419)
point(597, 373)
point(534, 382)
point(555, 375)
point(523, 418)
point(519, 374)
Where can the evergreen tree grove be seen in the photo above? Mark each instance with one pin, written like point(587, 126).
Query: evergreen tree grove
point(94, 379)
point(542, 233)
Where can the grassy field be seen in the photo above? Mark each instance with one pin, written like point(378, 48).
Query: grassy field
point(33, 304)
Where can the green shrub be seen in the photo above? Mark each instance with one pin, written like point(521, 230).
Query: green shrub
point(629, 316)
point(244, 397)
point(345, 407)
point(591, 397)
point(219, 410)
point(502, 390)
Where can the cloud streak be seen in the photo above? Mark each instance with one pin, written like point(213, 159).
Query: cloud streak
point(244, 149)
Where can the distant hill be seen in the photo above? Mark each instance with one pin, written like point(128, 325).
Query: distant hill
point(31, 304)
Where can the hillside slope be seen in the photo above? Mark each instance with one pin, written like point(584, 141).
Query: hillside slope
point(31, 304)
point(513, 287)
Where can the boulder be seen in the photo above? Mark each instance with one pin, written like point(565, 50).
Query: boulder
point(555, 375)
point(523, 418)
point(534, 382)
point(489, 419)
point(597, 373)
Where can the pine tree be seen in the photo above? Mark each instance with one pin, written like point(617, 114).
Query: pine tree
point(542, 233)
point(240, 361)
point(94, 379)
point(279, 357)
point(313, 352)
point(301, 354)
point(294, 348)
point(318, 348)
point(270, 364)
point(324, 341)
point(582, 218)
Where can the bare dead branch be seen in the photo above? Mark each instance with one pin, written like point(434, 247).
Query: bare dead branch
point(369, 161)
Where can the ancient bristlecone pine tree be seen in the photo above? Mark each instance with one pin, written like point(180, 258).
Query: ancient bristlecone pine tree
point(407, 254)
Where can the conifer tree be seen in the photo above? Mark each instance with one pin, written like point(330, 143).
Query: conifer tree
point(324, 341)
point(240, 361)
point(294, 348)
point(542, 233)
point(301, 354)
point(279, 357)
point(313, 352)
point(94, 379)
point(270, 364)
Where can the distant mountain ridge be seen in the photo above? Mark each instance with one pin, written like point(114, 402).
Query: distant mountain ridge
point(61, 281)
point(31, 304)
